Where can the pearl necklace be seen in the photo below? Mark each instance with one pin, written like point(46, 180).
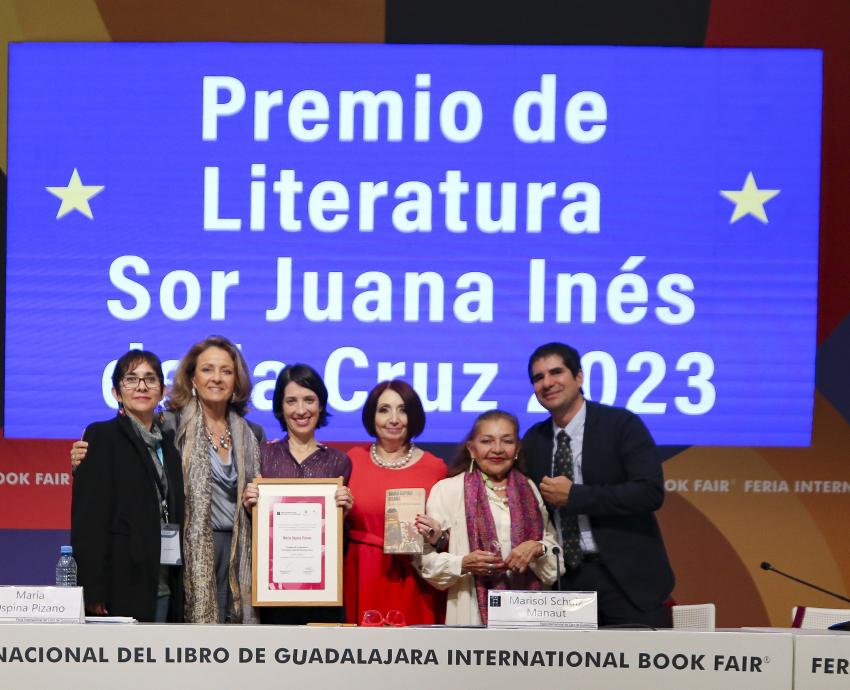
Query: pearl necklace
point(390, 464)
point(224, 439)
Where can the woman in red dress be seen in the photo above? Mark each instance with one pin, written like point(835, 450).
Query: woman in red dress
point(375, 581)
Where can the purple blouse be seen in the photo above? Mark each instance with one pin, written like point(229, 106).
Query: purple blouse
point(276, 462)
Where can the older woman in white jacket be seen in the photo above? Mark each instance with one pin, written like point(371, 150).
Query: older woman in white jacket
point(486, 525)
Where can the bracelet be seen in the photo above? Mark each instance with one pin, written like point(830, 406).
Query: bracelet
point(443, 542)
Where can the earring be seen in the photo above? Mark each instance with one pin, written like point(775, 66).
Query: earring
point(194, 392)
point(233, 398)
point(471, 463)
point(121, 409)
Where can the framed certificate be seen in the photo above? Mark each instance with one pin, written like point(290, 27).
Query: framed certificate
point(297, 543)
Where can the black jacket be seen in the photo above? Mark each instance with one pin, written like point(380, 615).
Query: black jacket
point(623, 486)
point(115, 521)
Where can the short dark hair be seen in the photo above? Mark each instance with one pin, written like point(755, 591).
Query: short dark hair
point(131, 360)
point(412, 406)
point(306, 376)
point(462, 459)
point(570, 356)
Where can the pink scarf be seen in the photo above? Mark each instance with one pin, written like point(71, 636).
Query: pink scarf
point(526, 523)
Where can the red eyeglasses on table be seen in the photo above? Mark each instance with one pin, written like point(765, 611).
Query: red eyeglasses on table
point(375, 619)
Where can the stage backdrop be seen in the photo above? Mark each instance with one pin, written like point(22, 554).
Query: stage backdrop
point(656, 208)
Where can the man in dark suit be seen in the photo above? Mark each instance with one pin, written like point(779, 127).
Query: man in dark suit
point(599, 472)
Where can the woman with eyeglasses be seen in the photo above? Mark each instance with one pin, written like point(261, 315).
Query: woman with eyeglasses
point(219, 451)
point(497, 527)
point(127, 499)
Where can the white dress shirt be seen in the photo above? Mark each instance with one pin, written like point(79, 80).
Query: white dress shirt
point(575, 430)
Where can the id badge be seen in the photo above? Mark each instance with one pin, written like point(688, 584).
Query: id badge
point(169, 540)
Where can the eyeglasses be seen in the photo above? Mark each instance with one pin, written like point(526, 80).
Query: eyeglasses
point(132, 381)
point(375, 619)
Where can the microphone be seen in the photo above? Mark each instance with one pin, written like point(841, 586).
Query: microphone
point(556, 551)
point(767, 566)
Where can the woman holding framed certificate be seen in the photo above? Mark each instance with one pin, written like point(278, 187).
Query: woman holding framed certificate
point(127, 503)
point(300, 405)
point(375, 578)
point(500, 536)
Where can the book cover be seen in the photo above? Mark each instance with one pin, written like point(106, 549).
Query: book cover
point(401, 508)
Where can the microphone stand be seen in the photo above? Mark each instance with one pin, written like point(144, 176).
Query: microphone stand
point(767, 566)
point(556, 551)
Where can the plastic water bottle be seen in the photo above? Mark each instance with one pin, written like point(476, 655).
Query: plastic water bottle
point(66, 568)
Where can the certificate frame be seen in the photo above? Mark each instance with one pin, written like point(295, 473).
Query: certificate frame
point(305, 569)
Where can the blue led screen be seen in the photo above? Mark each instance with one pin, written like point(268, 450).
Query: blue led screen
point(426, 212)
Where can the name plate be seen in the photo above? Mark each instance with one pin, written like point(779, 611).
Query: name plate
point(534, 609)
point(41, 605)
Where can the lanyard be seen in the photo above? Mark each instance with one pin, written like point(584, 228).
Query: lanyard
point(160, 486)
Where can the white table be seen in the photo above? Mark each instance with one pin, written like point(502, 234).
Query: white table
point(210, 656)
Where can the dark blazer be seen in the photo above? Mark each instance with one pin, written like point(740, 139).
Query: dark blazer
point(115, 525)
point(623, 485)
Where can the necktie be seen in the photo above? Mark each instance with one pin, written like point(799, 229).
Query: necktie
point(570, 533)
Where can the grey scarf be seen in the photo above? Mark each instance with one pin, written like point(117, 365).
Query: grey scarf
point(152, 438)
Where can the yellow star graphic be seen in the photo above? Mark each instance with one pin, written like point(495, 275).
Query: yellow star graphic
point(75, 196)
point(750, 200)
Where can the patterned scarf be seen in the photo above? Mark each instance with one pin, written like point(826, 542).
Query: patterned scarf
point(198, 571)
point(526, 523)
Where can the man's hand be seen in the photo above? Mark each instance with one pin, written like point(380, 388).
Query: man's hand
point(556, 490)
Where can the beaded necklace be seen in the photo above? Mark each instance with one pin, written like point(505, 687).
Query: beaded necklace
point(225, 440)
point(499, 491)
